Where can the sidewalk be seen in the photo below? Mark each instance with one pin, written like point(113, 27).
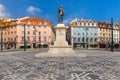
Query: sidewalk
point(11, 50)
point(99, 49)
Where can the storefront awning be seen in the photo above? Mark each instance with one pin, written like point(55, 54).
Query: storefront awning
point(103, 43)
point(43, 43)
point(26, 44)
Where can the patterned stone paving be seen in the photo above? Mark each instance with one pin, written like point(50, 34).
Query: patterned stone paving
point(19, 67)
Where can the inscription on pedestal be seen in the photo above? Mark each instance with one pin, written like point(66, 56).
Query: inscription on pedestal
point(60, 33)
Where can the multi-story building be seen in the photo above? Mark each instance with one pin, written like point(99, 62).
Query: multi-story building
point(91, 34)
point(3, 22)
point(84, 33)
point(38, 32)
point(105, 34)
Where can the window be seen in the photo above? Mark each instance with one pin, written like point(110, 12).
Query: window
point(8, 33)
point(39, 23)
point(15, 32)
point(8, 39)
point(28, 32)
point(91, 39)
point(14, 39)
point(39, 26)
point(74, 39)
point(88, 24)
point(95, 39)
point(80, 23)
point(39, 33)
point(5, 39)
point(23, 26)
point(11, 27)
point(2, 33)
point(44, 33)
point(28, 26)
point(34, 32)
point(11, 32)
point(28, 38)
point(83, 39)
point(28, 22)
point(34, 38)
point(22, 32)
point(84, 24)
point(33, 27)
point(22, 38)
point(39, 39)
point(44, 38)
point(11, 39)
point(78, 39)
point(74, 33)
point(103, 34)
point(87, 39)
point(95, 33)
point(83, 34)
point(44, 27)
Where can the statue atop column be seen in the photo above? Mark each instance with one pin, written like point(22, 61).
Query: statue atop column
point(60, 14)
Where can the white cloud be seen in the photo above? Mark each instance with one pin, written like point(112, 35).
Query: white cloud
point(67, 20)
point(32, 9)
point(3, 12)
point(47, 16)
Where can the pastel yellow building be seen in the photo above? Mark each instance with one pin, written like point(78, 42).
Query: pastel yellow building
point(105, 36)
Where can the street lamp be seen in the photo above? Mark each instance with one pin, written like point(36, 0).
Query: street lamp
point(86, 37)
point(35, 37)
point(1, 38)
point(119, 34)
point(39, 40)
point(24, 38)
point(112, 42)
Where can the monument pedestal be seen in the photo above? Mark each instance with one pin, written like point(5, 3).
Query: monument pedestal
point(60, 47)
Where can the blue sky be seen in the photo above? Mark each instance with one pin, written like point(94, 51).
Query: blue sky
point(98, 10)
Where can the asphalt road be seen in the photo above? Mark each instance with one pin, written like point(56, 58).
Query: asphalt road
point(98, 65)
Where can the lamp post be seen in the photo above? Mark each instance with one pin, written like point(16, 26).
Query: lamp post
point(35, 37)
point(112, 42)
point(119, 34)
point(1, 38)
point(24, 38)
point(86, 37)
point(39, 41)
point(72, 40)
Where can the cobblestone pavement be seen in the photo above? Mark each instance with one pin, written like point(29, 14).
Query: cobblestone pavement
point(98, 65)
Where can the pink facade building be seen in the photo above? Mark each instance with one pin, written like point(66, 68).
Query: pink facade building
point(39, 32)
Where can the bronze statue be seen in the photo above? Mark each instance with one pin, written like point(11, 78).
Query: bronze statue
point(60, 14)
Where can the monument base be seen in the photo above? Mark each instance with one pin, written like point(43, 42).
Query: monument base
point(60, 52)
point(60, 47)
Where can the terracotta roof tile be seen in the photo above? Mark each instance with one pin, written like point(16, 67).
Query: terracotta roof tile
point(35, 21)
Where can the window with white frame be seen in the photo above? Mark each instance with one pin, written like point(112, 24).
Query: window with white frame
point(34, 38)
point(28, 38)
point(44, 38)
point(34, 32)
point(28, 32)
point(44, 33)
